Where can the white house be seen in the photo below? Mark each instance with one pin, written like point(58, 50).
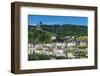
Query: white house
point(59, 52)
point(60, 44)
point(30, 45)
point(53, 38)
point(30, 50)
point(49, 45)
point(38, 46)
point(70, 55)
point(83, 43)
point(71, 44)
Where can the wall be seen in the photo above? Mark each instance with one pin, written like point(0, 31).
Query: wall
point(5, 33)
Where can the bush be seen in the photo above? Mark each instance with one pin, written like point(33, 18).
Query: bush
point(83, 54)
point(39, 57)
point(82, 47)
point(39, 49)
point(60, 57)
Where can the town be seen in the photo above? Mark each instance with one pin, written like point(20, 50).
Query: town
point(68, 48)
point(50, 42)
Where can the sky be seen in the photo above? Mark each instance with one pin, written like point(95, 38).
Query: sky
point(47, 19)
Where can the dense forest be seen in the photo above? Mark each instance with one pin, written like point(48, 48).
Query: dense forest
point(43, 32)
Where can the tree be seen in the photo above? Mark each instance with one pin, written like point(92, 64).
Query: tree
point(38, 36)
point(82, 38)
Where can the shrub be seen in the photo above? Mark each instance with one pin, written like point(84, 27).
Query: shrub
point(39, 57)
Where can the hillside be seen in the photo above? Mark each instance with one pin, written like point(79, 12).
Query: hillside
point(44, 32)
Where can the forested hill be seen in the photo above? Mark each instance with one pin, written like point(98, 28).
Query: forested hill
point(63, 30)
